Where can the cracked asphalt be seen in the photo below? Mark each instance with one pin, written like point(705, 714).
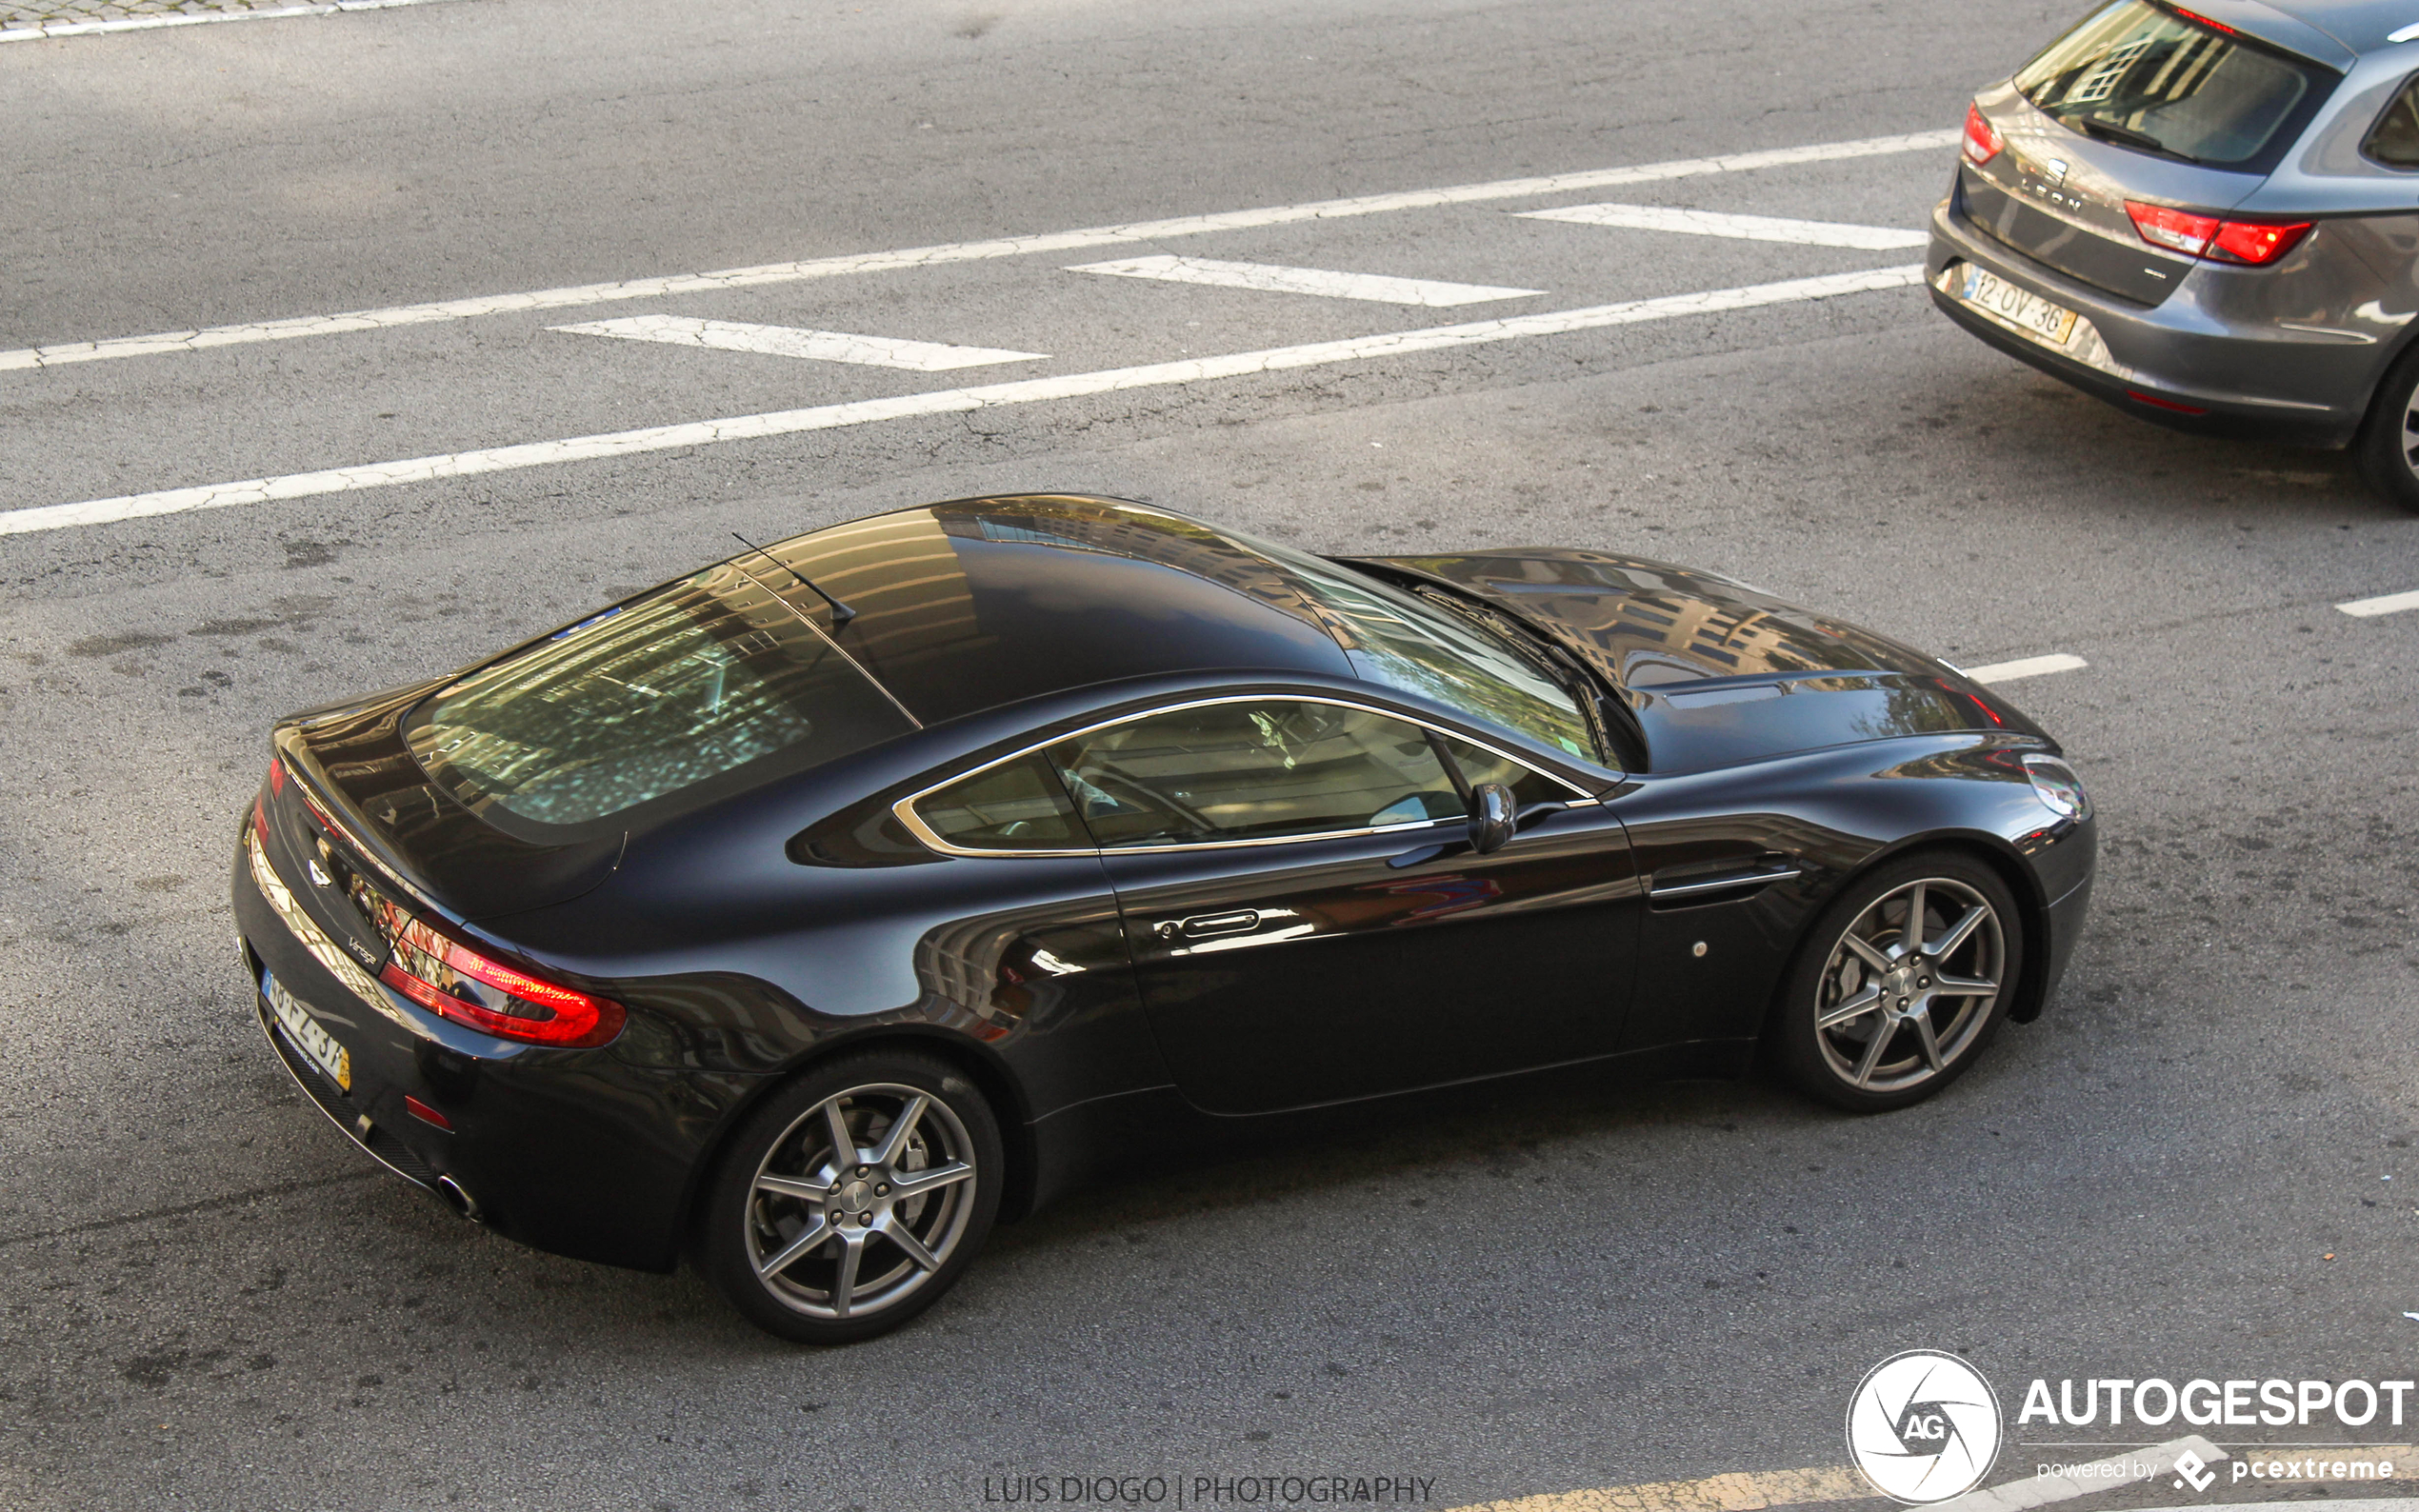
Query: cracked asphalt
point(208, 1299)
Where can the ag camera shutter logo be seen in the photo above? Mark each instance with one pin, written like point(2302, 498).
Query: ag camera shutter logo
point(1924, 1426)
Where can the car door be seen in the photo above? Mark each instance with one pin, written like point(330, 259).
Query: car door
point(1309, 923)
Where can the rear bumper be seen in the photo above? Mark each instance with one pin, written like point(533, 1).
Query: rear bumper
point(571, 1151)
point(2172, 363)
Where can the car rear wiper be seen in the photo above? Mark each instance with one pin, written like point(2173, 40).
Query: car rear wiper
point(2108, 130)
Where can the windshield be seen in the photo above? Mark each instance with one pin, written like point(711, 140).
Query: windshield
point(1393, 638)
point(2148, 78)
point(691, 682)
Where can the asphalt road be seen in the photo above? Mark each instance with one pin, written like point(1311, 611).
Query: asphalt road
point(2188, 1168)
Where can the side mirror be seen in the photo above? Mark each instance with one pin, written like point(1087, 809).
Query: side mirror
point(1492, 814)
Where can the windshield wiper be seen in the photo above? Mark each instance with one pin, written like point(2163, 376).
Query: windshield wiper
point(2108, 130)
point(1627, 744)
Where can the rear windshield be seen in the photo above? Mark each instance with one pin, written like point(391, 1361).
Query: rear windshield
point(2146, 77)
point(659, 696)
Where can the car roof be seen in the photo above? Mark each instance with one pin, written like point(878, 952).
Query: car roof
point(2363, 25)
point(977, 603)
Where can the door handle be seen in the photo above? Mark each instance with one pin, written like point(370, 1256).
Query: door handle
point(1203, 925)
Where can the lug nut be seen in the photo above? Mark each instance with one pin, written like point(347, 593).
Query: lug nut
point(882, 1191)
point(863, 1169)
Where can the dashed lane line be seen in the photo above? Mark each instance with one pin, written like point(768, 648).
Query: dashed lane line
point(1138, 232)
point(2005, 672)
point(789, 341)
point(2388, 603)
point(948, 400)
point(1743, 228)
point(77, 28)
point(1276, 280)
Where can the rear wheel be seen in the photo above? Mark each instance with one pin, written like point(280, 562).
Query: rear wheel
point(1901, 983)
point(2388, 447)
point(854, 1198)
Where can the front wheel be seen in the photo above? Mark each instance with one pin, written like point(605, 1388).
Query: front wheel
point(2388, 446)
point(854, 1198)
point(1901, 983)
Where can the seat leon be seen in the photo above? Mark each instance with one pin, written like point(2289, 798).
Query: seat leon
point(2208, 217)
point(810, 913)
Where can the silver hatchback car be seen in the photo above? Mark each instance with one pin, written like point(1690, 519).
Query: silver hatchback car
point(2208, 217)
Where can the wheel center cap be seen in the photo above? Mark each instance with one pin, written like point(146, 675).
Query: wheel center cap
point(855, 1195)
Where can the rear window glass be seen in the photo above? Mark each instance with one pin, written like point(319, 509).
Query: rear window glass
point(2148, 78)
point(691, 683)
point(2395, 137)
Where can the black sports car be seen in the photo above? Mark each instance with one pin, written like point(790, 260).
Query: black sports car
point(812, 913)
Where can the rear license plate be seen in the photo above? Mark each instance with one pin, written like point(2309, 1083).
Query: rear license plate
point(2020, 307)
point(303, 1032)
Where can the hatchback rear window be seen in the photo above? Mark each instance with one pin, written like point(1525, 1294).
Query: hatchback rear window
point(660, 696)
point(2147, 77)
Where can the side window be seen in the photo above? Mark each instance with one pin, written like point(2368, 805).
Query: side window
point(2394, 140)
point(1481, 765)
point(1261, 769)
point(1016, 806)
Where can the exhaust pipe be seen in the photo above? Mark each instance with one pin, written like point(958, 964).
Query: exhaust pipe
point(454, 1196)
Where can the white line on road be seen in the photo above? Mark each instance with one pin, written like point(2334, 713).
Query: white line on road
point(1745, 227)
point(1997, 671)
point(1276, 280)
point(789, 341)
point(2389, 604)
point(177, 341)
point(949, 401)
point(77, 28)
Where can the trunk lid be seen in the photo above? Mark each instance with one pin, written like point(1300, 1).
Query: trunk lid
point(356, 807)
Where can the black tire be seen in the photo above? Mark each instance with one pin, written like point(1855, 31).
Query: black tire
point(1931, 994)
point(2388, 446)
point(747, 1226)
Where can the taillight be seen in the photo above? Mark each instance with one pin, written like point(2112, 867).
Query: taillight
point(1982, 138)
point(276, 776)
point(453, 981)
point(2252, 242)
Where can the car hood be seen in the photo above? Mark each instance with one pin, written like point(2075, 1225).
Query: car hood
point(1716, 671)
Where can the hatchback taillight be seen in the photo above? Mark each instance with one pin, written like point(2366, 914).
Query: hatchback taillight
point(1982, 138)
point(453, 981)
point(2255, 243)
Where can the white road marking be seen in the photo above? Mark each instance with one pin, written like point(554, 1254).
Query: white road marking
point(1999, 672)
point(1277, 279)
point(1745, 227)
point(77, 28)
point(789, 341)
point(175, 341)
point(2083, 1480)
point(2389, 604)
point(948, 400)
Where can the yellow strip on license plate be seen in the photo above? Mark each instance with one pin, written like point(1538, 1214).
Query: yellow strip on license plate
point(304, 1033)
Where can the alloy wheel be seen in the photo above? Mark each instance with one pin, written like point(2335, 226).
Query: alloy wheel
point(1909, 984)
point(861, 1200)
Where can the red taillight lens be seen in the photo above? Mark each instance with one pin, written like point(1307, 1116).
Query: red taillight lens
point(1982, 138)
point(2178, 230)
point(2252, 242)
point(453, 980)
point(276, 775)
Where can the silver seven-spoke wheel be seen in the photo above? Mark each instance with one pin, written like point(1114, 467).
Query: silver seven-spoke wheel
point(861, 1200)
point(1916, 965)
point(854, 1200)
point(1910, 983)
